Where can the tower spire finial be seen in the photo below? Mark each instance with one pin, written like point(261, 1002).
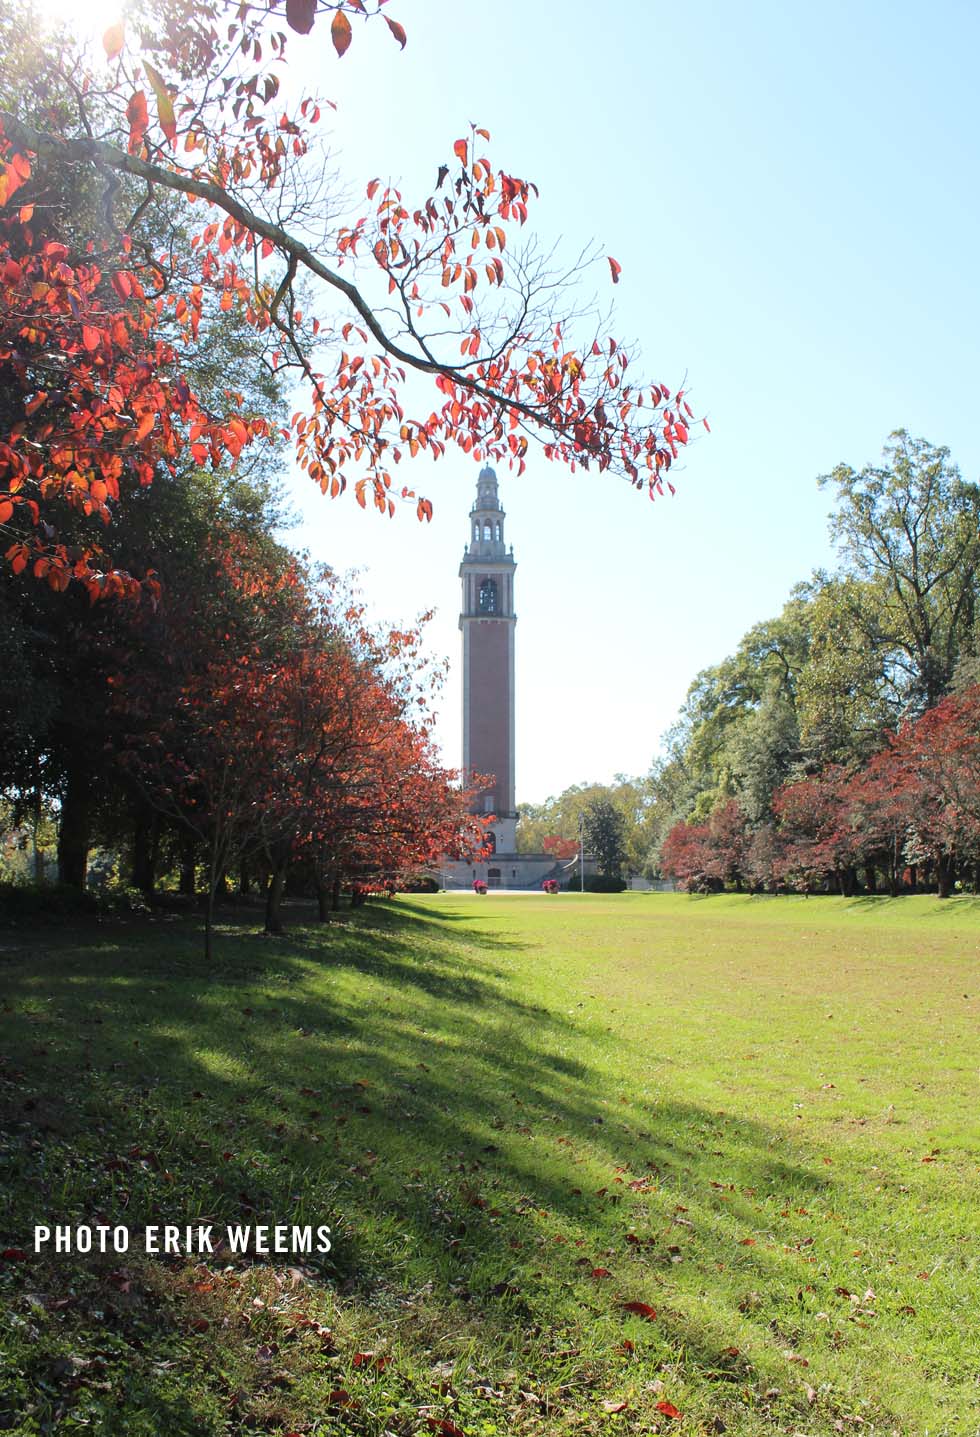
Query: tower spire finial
point(486, 489)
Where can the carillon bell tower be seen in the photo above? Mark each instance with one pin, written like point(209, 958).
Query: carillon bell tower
point(487, 621)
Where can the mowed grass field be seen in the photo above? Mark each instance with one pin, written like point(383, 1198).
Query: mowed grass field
point(755, 1120)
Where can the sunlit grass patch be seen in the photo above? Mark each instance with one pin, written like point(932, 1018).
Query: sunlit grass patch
point(531, 1124)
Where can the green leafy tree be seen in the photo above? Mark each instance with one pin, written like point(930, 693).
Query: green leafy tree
point(909, 528)
point(605, 836)
point(560, 817)
point(843, 701)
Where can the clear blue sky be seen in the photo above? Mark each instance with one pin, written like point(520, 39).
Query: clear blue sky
point(792, 193)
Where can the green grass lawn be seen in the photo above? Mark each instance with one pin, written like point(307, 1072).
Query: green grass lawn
point(759, 1117)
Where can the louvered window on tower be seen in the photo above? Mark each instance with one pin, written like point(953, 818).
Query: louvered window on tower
point(488, 596)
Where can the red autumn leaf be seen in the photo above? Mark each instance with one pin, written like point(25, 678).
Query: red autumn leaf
point(113, 39)
point(445, 1426)
point(370, 1359)
point(667, 1409)
point(14, 1254)
point(601, 1272)
point(138, 117)
point(461, 150)
point(6, 510)
point(641, 1309)
point(18, 555)
point(615, 268)
point(91, 338)
point(397, 30)
point(300, 15)
point(340, 32)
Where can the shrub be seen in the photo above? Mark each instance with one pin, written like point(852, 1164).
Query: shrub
point(20, 901)
point(421, 883)
point(604, 883)
point(59, 902)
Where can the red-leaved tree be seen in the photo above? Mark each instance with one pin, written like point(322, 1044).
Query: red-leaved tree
point(820, 842)
point(922, 790)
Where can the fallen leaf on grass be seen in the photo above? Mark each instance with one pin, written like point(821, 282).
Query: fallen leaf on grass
point(667, 1409)
point(445, 1426)
point(614, 1406)
point(641, 1309)
point(370, 1359)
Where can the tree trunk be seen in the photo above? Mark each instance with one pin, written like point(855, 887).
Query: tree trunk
point(244, 880)
point(75, 828)
point(188, 865)
point(208, 923)
point(215, 885)
point(146, 834)
point(870, 878)
point(323, 898)
point(945, 868)
point(273, 899)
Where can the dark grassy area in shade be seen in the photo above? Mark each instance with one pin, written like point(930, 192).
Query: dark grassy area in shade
point(518, 1115)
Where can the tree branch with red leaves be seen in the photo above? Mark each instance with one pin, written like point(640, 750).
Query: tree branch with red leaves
point(187, 103)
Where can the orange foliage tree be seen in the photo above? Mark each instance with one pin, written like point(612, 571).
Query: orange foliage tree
point(283, 733)
point(186, 100)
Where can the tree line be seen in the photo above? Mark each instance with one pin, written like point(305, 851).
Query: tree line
point(838, 748)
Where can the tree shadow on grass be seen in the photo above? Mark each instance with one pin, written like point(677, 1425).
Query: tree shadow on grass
point(384, 1078)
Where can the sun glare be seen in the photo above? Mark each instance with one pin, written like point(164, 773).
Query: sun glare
point(86, 19)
